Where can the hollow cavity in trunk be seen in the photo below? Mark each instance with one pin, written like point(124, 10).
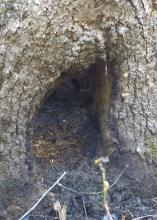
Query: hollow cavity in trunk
point(67, 129)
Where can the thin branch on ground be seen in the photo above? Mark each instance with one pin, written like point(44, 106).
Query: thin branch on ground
point(146, 216)
point(93, 193)
point(119, 176)
point(43, 216)
point(79, 192)
point(42, 197)
point(84, 206)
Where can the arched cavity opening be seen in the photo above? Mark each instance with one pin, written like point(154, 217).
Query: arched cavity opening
point(71, 128)
point(67, 128)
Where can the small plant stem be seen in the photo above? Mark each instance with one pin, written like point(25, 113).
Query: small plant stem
point(105, 188)
point(107, 211)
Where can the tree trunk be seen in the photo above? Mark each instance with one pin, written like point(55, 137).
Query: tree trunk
point(43, 41)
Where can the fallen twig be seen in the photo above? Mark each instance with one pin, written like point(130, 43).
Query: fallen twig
point(84, 206)
point(119, 176)
point(79, 192)
point(41, 198)
point(145, 216)
point(93, 193)
point(43, 216)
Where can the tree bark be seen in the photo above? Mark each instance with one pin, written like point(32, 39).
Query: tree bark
point(43, 40)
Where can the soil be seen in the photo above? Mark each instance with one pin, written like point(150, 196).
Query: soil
point(131, 194)
point(67, 137)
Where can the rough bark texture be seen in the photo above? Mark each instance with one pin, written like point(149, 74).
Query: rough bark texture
point(42, 41)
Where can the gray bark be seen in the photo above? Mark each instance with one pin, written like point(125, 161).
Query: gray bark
point(42, 40)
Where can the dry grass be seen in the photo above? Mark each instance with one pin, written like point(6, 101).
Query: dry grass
point(60, 210)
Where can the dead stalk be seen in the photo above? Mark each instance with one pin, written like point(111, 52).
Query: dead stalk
point(100, 162)
point(61, 210)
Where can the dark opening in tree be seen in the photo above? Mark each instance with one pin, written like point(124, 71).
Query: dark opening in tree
point(67, 128)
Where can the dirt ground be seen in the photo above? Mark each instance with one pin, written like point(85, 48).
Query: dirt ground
point(131, 194)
